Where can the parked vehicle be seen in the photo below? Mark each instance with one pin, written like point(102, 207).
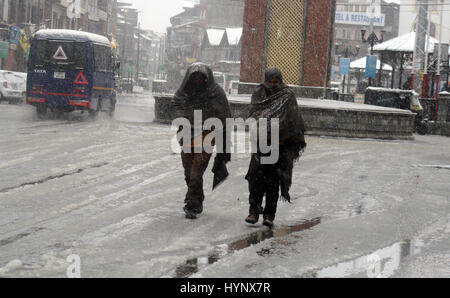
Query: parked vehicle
point(233, 90)
point(71, 70)
point(12, 86)
point(400, 99)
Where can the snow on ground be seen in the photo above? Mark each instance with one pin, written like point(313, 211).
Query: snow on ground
point(111, 192)
point(330, 104)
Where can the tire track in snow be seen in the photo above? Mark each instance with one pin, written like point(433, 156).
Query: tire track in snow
point(12, 239)
point(42, 181)
point(102, 203)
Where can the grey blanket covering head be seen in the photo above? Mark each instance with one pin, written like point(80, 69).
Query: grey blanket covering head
point(279, 102)
point(210, 99)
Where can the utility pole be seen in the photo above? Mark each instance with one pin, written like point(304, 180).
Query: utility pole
point(124, 41)
point(419, 50)
point(161, 51)
point(108, 13)
point(39, 15)
point(138, 51)
point(438, 73)
point(345, 76)
point(372, 16)
point(159, 58)
point(17, 13)
point(427, 48)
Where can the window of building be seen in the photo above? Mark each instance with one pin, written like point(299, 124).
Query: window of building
point(54, 21)
point(340, 33)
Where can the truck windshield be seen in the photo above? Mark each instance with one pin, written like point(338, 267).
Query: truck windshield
point(60, 55)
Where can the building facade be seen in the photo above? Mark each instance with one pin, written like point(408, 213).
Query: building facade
point(353, 16)
point(209, 32)
point(409, 11)
point(224, 13)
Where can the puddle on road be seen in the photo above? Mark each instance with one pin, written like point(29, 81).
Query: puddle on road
point(382, 263)
point(194, 265)
point(385, 262)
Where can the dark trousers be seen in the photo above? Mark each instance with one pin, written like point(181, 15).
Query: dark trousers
point(195, 165)
point(265, 182)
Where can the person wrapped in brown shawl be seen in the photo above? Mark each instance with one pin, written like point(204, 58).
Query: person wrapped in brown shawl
point(199, 92)
point(274, 100)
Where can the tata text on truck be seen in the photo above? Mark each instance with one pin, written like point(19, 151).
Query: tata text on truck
point(71, 70)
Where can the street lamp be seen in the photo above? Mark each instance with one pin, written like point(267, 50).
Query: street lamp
point(372, 39)
point(347, 51)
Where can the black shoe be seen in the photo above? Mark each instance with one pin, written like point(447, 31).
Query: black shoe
point(190, 213)
point(252, 219)
point(268, 223)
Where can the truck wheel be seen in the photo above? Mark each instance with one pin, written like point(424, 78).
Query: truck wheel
point(112, 109)
point(112, 106)
point(41, 110)
point(94, 113)
point(23, 99)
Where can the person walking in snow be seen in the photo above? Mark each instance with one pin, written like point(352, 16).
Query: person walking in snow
point(274, 100)
point(199, 92)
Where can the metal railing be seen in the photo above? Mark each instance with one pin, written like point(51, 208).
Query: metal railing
point(429, 108)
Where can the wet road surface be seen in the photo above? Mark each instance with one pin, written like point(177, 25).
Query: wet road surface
point(111, 192)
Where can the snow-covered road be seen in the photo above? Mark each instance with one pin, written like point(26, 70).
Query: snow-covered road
point(112, 191)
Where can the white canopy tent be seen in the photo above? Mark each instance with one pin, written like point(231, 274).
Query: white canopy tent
point(357, 68)
point(404, 43)
point(399, 52)
point(361, 64)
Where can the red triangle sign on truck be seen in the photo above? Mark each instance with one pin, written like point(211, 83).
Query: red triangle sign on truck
point(80, 79)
